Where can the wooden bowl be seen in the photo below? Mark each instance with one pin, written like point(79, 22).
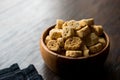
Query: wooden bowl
point(63, 65)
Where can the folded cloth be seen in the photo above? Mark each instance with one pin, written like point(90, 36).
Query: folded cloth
point(11, 70)
point(31, 73)
point(14, 73)
point(16, 76)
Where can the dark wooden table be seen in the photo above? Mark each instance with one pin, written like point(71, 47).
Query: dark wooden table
point(23, 21)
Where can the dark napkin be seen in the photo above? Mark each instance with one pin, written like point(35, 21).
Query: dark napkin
point(14, 73)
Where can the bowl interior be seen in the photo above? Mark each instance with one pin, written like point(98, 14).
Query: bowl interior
point(46, 32)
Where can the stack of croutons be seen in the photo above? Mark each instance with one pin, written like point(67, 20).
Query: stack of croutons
point(76, 38)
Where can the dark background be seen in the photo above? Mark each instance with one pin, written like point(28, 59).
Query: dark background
point(23, 21)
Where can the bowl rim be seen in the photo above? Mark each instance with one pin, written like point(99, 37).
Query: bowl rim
point(62, 56)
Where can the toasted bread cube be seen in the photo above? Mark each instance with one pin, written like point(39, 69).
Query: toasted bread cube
point(55, 33)
point(76, 25)
point(60, 42)
point(73, 43)
point(89, 21)
point(53, 45)
point(64, 25)
point(85, 51)
point(82, 23)
point(83, 32)
point(91, 39)
point(59, 24)
point(103, 41)
point(70, 23)
point(73, 54)
point(47, 39)
point(98, 29)
point(67, 32)
point(96, 48)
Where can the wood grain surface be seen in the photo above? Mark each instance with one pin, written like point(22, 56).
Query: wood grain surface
point(23, 21)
